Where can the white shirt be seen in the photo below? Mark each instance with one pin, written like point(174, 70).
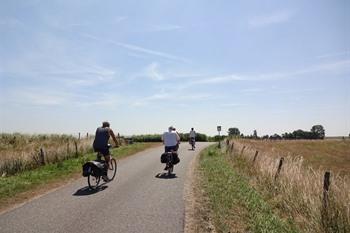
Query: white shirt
point(170, 138)
point(192, 134)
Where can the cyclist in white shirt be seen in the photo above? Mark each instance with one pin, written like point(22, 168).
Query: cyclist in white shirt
point(192, 136)
point(171, 139)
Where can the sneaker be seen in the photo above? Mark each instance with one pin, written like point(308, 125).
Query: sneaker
point(166, 167)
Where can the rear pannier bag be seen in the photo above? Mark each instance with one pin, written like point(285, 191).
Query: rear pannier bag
point(94, 168)
point(163, 158)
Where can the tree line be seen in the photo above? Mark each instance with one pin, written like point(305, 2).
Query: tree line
point(158, 137)
point(316, 132)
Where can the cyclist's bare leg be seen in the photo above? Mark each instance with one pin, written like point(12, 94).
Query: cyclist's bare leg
point(107, 159)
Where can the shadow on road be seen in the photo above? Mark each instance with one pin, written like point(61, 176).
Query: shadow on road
point(87, 191)
point(165, 176)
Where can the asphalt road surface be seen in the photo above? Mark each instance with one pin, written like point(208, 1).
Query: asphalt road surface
point(140, 199)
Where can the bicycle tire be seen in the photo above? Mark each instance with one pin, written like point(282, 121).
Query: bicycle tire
point(93, 181)
point(112, 169)
point(170, 170)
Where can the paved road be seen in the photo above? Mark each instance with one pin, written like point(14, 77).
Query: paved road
point(137, 201)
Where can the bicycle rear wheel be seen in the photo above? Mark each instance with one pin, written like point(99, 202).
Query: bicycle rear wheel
point(93, 181)
point(112, 169)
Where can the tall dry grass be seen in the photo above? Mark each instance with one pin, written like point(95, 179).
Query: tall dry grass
point(297, 191)
point(21, 152)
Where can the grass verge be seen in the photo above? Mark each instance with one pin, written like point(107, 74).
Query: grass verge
point(235, 205)
point(13, 187)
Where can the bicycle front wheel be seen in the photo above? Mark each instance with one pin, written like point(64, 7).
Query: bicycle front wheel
point(93, 181)
point(112, 169)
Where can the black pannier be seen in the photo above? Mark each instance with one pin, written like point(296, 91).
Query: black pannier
point(176, 159)
point(94, 168)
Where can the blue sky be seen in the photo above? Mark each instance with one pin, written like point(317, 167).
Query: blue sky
point(273, 66)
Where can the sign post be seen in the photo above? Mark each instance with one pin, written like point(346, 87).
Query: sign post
point(219, 129)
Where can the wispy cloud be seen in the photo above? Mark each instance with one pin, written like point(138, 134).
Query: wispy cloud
point(219, 79)
point(336, 67)
point(225, 105)
point(332, 55)
point(49, 96)
point(164, 27)
point(274, 18)
point(139, 49)
point(66, 71)
point(153, 73)
point(252, 90)
point(35, 96)
point(120, 19)
point(171, 97)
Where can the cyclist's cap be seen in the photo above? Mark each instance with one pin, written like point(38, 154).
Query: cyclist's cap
point(105, 124)
point(171, 127)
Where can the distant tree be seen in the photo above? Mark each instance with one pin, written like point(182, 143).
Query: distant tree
point(318, 131)
point(265, 137)
point(255, 134)
point(288, 136)
point(233, 132)
point(275, 137)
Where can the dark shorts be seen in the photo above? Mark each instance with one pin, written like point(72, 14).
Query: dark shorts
point(171, 148)
point(103, 151)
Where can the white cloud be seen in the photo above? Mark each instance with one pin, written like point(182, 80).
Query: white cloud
point(274, 18)
point(153, 72)
point(149, 51)
point(252, 90)
point(172, 97)
point(330, 55)
point(120, 19)
point(336, 67)
point(164, 27)
point(139, 49)
point(232, 105)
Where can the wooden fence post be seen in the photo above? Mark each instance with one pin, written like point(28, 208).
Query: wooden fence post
point(324, 211)
point(279, 168)
point(256, 155)
point(76, 147)
point(79, 136)
point(42, 156)
point(87, 135)
point(326, 184)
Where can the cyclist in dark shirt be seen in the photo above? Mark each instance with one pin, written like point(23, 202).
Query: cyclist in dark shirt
point(102, 136)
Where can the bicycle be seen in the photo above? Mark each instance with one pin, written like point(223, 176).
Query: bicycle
point(170, 158)
point(169, 162)
point(98, 168)
point(192, 142)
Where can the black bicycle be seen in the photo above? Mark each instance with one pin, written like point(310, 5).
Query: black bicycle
point(169, 162)
point(97, 169)
point(170, 158)
point(192, 143)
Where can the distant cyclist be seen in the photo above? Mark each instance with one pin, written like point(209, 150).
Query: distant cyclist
point(100, 144)
point(192, 136)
